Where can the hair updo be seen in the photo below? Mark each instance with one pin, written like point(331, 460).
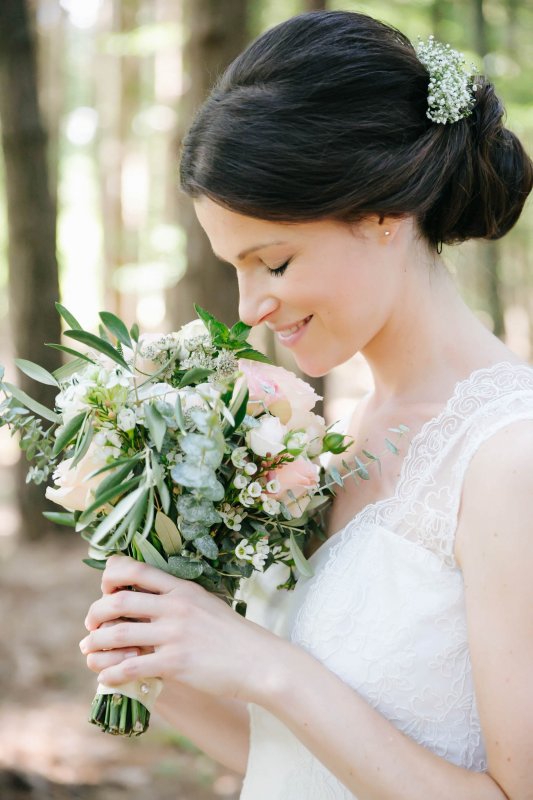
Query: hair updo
point(324, 116)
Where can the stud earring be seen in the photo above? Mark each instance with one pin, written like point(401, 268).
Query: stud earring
point(387, 233)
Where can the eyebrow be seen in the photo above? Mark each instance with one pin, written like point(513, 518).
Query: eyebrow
point(249, 250)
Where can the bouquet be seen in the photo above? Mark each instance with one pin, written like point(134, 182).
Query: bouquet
point(189, 451)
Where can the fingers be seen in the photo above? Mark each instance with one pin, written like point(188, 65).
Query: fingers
point(144, 666)
point(123, 635)
point(122, 604)
point(109, 658)
point(123, 571)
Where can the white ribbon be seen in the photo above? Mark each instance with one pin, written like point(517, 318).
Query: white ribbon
point(146, 691)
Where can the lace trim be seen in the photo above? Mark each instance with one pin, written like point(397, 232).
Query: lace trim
point(469, 395)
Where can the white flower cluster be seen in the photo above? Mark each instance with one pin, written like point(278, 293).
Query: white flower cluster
point(450, 91)
point(256, 554)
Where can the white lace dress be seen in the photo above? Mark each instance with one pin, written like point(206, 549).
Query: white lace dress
point(385, 607)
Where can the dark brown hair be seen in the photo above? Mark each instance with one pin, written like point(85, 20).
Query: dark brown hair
point(324, 116)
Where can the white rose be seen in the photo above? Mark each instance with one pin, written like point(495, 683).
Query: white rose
point(72, 491)
point(267, 437)
point(313, 427)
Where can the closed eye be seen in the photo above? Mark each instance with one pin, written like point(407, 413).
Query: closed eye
point(278, 272)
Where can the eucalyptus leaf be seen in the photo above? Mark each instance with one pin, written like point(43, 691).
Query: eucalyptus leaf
point(35, 371)
point(392, 447)
point(300, 562)
point(361, 469)
point(208, 450)
point(30, 403)
point(191, 530)
point(168, 534)
point(99, 344)
point(206, 546)
point(195, 509)
point(184, 568)
point(336, 476)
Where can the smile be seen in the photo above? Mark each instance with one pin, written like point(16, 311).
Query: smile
point(289, 334)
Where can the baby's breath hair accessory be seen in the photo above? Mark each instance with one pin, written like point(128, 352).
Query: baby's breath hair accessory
point(451, 92)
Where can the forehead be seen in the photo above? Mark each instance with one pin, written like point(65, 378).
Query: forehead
point(220, 223)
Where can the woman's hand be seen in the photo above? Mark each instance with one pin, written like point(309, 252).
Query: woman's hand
point(175, 630)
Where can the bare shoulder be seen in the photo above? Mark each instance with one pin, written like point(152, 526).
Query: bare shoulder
point(495, 551)
point(497, 492)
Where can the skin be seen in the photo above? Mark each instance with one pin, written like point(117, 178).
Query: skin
point(389, 297)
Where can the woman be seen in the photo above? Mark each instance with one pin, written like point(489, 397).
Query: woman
point(325, 168)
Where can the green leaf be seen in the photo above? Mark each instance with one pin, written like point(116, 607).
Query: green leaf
point(194, 375)
point(392, 447)
point(336, 476)
point(178, 413)
point(254, 355)
point(95, 563)
point(361, 469)
point(83, 441)
point(118, 513)
point(240, 331)
point(300, 562)
point(164, 495)
point(115, 325)
point(185, 568)
point(106, 497)
point(71, 352)
point(134, 332)
point(99, 344)
point(117, 463)
point(371, 456)
point(69, 318)
point(60, 518)
point(33, 405)
point(149, 521)
point(36, 372)
point(68, 432)
point(150, 554)
point(156, 424)
point(113, 479)
point(206, 546)
point(168, 534)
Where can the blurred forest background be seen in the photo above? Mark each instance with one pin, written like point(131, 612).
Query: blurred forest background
point(95, 96)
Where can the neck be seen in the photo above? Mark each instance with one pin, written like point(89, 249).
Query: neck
point(430, 341)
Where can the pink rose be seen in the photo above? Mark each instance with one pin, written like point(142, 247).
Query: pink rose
point(301, 477)
point(277, 390)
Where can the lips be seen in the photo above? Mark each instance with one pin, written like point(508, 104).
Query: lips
point(288, 332)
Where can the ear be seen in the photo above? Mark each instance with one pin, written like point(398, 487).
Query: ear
point(387, 227)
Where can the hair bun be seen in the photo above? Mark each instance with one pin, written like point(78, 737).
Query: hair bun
point(487, 191)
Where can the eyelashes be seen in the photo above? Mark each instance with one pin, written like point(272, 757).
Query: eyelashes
point(278, 272)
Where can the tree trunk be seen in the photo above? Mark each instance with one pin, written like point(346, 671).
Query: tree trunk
point(217, 32)
point(33, 273)
point(492, 261)
point(315, 5)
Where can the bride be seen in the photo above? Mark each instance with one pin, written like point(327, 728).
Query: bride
point(328, 166)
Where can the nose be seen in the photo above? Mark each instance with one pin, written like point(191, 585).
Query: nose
point(256, 302)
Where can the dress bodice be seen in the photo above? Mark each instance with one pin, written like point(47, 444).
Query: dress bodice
point(385, 608)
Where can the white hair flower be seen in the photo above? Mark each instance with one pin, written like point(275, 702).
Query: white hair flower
point(450, 90)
